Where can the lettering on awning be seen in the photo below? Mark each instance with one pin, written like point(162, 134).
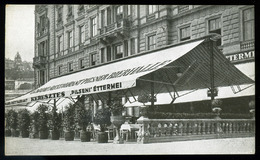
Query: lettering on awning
point(126, 72)
point(241, 56)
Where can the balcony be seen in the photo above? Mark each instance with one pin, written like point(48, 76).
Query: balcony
point(119, 29)
point(247, 45)
point(39, 62)
point(43, 32)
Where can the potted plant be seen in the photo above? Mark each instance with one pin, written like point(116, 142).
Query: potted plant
point(102, 117)
point(69, 122)
point(14, 123)
point(117, 119)
point(43, 120)
point(34, 127)
point(7, 124)
point(83, 118)
point(24, 122)
point(55, 124)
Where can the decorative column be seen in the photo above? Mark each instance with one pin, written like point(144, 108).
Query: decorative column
point(143, 134)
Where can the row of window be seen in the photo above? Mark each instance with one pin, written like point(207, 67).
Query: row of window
point(215, 25)
point(106, 15)
point(107, 54)
point(70, 38)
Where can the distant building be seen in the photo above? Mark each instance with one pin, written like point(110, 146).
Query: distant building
point(18, 61)
point(9, 64)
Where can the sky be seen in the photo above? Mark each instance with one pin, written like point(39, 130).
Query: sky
point(19, 31)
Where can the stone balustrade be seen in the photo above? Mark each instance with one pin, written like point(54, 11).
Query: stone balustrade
point(155, 130)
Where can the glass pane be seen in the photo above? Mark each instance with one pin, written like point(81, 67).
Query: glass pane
point(188, 31)
point(249, 30)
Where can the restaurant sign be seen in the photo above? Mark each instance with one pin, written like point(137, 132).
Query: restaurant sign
point(241, 56)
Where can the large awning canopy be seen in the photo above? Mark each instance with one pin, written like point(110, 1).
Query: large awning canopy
point(191, 59)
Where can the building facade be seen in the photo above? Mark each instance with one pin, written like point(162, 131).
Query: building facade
point(71, 38)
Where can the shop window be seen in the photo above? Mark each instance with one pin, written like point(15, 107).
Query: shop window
point(102, 55)
point(133, 47)
point(70, 39)
point(93, 59)
point(43, 25)
point(215, 27)
point(103, 18)
point(248, 24)
point(94, 26)
point(125, 48)
point(119, 13)
point(152, 9)
point(185, 33)
point(151, 42)
point(60, 43)
point(59, 17)
point(81, 63)
point(118, 51)
point(60, 69)
point(42, 77)
point(81, 34)
point(70, 66)
point(81, 9)
point(42, 48)
point(109, 20)
point(109, 56)
point(69, 10)
point(129, 10)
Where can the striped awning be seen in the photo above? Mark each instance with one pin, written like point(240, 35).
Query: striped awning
point(192, 59)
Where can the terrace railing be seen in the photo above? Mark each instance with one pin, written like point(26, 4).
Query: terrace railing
point(161, 130)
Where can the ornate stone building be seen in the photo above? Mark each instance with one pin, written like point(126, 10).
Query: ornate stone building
point(71, 38)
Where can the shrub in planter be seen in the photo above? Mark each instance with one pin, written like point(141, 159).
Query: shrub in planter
point(34, 125)
point(7, 124)
point(43, 120)
point(117, 119)
point(24, 122)
point(102, 117)
point(69, 122)
point(14, 123)
point(55, 124)
point(83, 119)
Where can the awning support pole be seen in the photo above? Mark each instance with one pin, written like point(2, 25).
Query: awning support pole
point(212, 96)
point(184, 72)
point(54, 105)
point(132, 95)
point(152, 92)
point(174, 89)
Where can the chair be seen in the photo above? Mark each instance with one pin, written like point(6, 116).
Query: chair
point(125, 133)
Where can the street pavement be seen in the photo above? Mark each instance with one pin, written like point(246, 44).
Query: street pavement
point(26, 146)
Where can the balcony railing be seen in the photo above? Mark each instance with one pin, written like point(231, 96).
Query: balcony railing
point(123, 24)
point(183, 8)
point(156, 130)
point(247, 45)
point(42, 32)
point(40, 60)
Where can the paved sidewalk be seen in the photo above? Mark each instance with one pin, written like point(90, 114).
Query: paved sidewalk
point(26, 146)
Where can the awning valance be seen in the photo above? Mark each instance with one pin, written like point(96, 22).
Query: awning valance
point(124, 73)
